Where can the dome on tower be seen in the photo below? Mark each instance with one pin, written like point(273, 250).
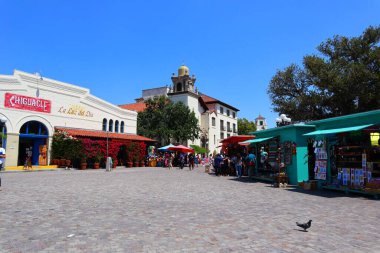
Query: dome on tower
point(183, 71)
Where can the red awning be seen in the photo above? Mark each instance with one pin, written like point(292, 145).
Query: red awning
point(102, 134)
point(181, 148)
point(237, 139)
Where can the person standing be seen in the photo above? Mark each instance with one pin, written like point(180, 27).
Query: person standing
point(250, 159)
point(2, 160)
point(181, 161)
point(264, 158)
point(191, 162)
point(238, 165)
point(170, 161)
point(217, 164)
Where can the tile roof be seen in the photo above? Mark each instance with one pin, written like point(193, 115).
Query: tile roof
point(210, 100)
point(137, 107)
point(102, 134)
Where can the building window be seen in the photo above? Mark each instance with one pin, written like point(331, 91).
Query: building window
point(214, 139)
point(222, 125)
point(260, 122)
point(221, 110)
point(234, 127)
point(213, 121)
point(110, 126)
point(228, 127)
point(122, 127)
point(228, 112)
point(116, 126)
point(221, 136)
point(228, 135)
point(233, 115)
point(104, 124)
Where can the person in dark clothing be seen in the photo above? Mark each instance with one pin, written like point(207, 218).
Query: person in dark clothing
point(217, 164)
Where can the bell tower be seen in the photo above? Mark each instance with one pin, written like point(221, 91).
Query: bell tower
point(183, 82)
point(261, 123)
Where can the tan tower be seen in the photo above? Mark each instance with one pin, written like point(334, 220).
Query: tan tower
point(183, 82)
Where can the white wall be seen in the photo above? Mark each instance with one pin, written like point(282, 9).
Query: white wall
point(67, 103)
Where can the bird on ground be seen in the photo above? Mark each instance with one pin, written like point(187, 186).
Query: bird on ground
point(304, 225)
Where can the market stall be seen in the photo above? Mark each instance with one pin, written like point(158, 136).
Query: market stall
point(347, 153)
point(285, 146)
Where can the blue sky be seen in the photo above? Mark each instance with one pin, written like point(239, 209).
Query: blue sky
point(118, 48)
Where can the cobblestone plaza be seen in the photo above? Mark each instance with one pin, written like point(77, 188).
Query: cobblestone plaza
point(157, 210)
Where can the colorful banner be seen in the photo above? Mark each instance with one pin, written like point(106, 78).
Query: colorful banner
point(27, 103)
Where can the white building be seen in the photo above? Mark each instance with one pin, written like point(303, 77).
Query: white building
point(217, 119)
point(33, 107)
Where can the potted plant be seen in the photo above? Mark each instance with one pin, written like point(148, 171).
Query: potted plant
point(97, 158)
point(136, 159)
point(83, 162)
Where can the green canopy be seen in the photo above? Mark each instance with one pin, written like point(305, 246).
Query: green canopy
point(255, 140)
point(338, 130)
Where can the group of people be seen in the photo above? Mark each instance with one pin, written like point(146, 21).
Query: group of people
point(235, 164)
point(222, 164)
point(169, 159)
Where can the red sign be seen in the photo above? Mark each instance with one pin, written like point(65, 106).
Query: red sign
point(27, 103)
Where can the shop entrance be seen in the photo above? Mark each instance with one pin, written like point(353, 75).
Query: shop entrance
point(33, 144)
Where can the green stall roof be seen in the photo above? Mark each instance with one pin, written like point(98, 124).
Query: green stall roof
point(255, 140)
point(338, 130)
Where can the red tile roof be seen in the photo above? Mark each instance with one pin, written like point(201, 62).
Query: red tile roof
point(208, 99)
point(102, 134)
point(260, 117)
point(211, 101)
point(137, 107)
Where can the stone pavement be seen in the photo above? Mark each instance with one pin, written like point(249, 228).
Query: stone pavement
point(157, 210)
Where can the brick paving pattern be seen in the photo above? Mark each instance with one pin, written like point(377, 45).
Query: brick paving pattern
point(157, 210)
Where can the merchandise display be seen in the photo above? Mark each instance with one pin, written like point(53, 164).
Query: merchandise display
point(357, 163)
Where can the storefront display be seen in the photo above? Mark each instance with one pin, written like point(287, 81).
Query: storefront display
point(347, 153)
point(320, 169)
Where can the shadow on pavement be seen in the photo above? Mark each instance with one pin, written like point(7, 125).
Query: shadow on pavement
point(245, 180)
point(329, 193)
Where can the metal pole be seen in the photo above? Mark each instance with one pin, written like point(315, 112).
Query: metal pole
point(107, 146)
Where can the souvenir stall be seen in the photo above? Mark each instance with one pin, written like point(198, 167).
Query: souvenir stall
point(347, 153)
point(281, 153)
point(230, 145)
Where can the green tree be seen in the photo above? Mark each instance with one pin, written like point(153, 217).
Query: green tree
point(163, 120)
point(245, 126)
point(152, 122)
point(343, 79)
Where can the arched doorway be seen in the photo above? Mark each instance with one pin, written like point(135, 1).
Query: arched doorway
point(33, 143)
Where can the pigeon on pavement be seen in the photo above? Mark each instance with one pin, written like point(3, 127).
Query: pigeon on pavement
point(304, 225)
